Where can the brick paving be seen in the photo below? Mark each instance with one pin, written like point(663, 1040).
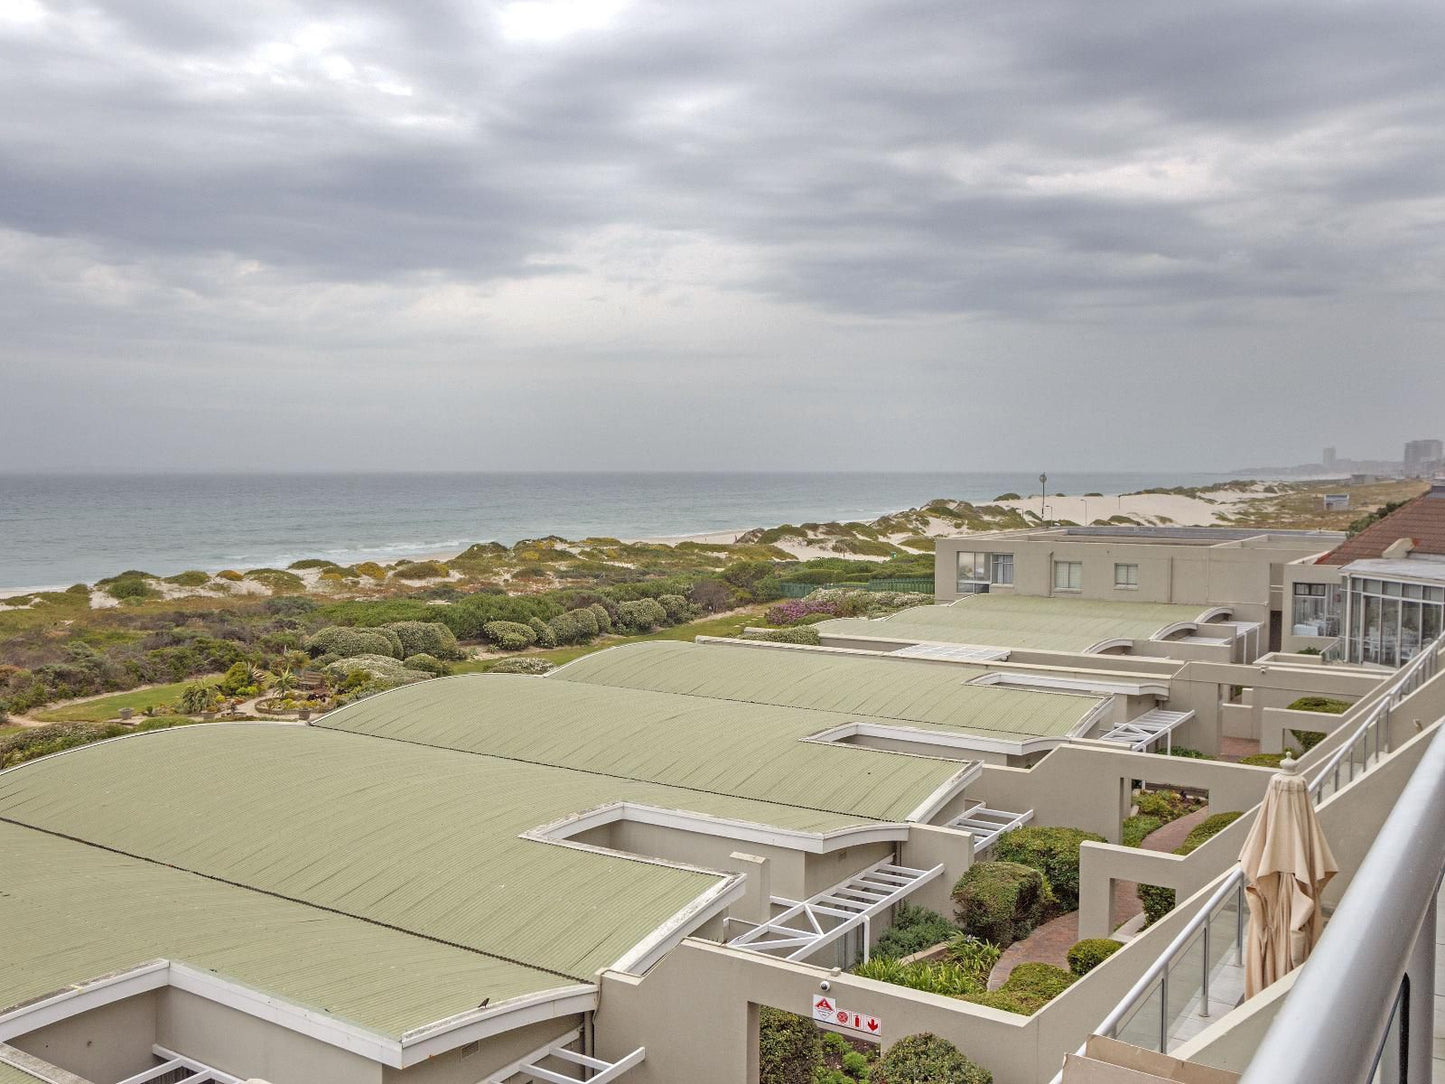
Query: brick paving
point(1236, 749)
point(1050, 943)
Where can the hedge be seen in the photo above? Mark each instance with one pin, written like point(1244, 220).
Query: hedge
point(1158, 901)
point(383, 670)
point(546, 636)
point(522, 664)
point(1053, 851)
point(1028, 989)
point(927, 1059)
point(799, 634)
point(914, 929)
point(642, 615)
point(565, 628)
point(1002, 902)
point(677, 608)
point(1329, 705)
point(426, 638)
point(788, 1047)
point(1089, 953)
point(604, 619)
point(509, 635)
point(348, 642)
point(586, 623)
point(428, 663)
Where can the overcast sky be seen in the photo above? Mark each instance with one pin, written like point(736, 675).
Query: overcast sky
point(719, 234)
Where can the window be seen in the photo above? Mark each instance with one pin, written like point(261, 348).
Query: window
point(1126, 575)
point(1387, 624)
point(1068, 575)
point(1003, 569)
point(973, 573)
point(1316, 609)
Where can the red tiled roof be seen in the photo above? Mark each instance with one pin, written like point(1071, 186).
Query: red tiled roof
point(1422, 520)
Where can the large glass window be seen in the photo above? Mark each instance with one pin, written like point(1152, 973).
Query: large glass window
point(973, 573)
point(1390, 620)
point(1068, 575)
point(1126, 575)
point(1316, 609)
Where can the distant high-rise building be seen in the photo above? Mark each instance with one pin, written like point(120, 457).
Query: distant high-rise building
point(1329, 459)
point(1423, 457)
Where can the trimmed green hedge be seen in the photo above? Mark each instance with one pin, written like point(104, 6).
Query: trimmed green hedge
point(927, 1059)
point(1002, 902)
point(1329, 705)
point(1089, 953)
point(1159, 901)
point(1053, 851)
point(347, 643)
point(425, 638)
point(509, 635)
point(789, 1047)
point(914, 929)
point(798, 634)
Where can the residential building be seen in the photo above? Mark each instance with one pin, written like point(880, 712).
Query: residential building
point(1422, 458)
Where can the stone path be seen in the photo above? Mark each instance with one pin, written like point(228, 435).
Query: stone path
point(1050, 943)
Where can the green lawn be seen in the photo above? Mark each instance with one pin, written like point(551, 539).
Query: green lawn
point(727, 625)
point(108, 707)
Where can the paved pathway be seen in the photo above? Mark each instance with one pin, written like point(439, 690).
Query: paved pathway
point(1050, 943)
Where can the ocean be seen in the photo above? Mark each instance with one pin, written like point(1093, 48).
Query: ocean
point(57, 529)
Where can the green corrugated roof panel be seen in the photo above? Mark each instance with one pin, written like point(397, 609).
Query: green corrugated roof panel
point(1020, 621)
point(420, 838)
point(72, 913)
point(747, 750)
point(9, 1074)
point(906, 691)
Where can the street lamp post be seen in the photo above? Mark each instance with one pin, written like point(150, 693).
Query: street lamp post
point(1043, 494)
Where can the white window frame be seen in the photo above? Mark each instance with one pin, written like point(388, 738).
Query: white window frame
point(1130, 582)
point(1073, 579)
point(998, 563)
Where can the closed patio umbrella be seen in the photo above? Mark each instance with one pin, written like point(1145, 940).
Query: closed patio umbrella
point(1287, 864)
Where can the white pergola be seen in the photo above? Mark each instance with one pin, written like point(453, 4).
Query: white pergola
point(986, 824)
point(1141, 733)
point(809, 925)
point(952, 652)
point(531, 1068)
point(196, 1072)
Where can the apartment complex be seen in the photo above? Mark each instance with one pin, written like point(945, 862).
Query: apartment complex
point(607, 873)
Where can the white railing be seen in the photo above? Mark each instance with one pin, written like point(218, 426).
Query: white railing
point(1371, 736)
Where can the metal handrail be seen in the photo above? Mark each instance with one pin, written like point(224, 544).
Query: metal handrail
point(1420, 669)
point(1336, 1018)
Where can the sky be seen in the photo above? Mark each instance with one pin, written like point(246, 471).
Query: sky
point(720, 234)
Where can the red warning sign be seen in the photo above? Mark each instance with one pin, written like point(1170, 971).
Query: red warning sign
point(829, 1013)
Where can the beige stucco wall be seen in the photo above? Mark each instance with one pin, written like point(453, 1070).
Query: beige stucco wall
point(474, 1062)
point(106, 1044)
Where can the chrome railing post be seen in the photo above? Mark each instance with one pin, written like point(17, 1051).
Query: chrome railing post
point(1204, 984)
point(1164, 1010)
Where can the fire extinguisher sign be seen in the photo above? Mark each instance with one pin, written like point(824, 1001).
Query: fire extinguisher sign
point(829, 1013)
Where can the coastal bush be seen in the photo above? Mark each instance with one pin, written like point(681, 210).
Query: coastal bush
point(230, 575)
point(310, 562)
point(603, 618)
point(131, 587)
point(642, 615)
point(1089, 953)
point(798, 634)
point(425, 637)
point(678, 610)
point(427, 663)
point(348, 642)
point(380, 670)
point(1053, 851)
point(242, 681)
point(277, 581)
point(545, 636)
point(509, 635)
point(712, 596)
point(565, 628)
point(795, 610)
point(914, 929)
point(372, 570)
point(521, 664)
point(586, 623)
point(190, 578)
point(1001, 902)
point(927, 1059)
point(789, 1047)
point(421, 570)
point(38, 741)
point(1010, 496)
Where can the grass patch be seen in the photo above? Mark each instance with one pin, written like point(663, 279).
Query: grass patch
point(108, 707)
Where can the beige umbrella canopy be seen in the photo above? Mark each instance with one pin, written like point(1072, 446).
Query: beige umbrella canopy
point(1287, 864)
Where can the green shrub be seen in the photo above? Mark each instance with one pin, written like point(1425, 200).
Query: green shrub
point(797, 634)
point(198, 697)
point(974, 956)
point(946, 978)
point(586, 623)
point(927, 1059)
point(347, 642)
point(1307, 739)
point(421, 570)
point(425, 638)
point(604, 619)
point(1167, 805)
point(914, 929)
point(546, 637)
point(1089, 953)
point(38, 741)
point(1263, 760)
point(520, 665)
point(1053, 851)
point(641, 615)
point(372, 570)
point(1034, 985)
point(190, 578)
point(230, 574)
point(1159, 901)
point(429, 663)
point(1007, 497)
point(131, 587)
point(565, 628)
point(1327, 704)
point(277, 581)
point(678, 609)
point(1188, 753)
point(509, 635)
point(1002, 902)
point(382, 671)
point(789, 1047)
point(1137, 828)
point(310, 562)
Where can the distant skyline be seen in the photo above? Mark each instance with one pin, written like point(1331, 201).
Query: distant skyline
point(629, 235)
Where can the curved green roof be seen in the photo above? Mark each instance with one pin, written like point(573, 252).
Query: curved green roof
point(1020, 621)
point(908, 691)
